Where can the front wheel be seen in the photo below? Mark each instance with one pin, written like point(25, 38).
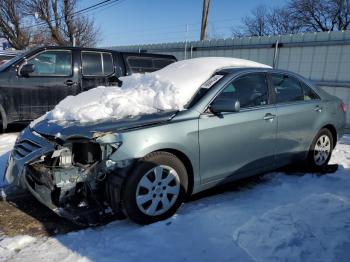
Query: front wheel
point(156, 188)
point(321, 149)
point(1, 124)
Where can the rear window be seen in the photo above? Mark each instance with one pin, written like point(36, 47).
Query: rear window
point(147, 64)
point(160, 63)
point(97, 63)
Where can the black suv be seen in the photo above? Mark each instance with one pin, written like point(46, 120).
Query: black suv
point(34, 82)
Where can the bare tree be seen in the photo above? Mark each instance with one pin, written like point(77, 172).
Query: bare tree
point(12, 22)
point(296, 16)
point(27, 23)
point(280, 22)
point(343, 16)
point(314, 15)
point(63, 22)
point(264, 21)
point(321, 15)
point(257, 23)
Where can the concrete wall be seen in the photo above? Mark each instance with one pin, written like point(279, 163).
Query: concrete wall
point(322, 57)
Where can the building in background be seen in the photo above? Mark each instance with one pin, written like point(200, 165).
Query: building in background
point(6, 51)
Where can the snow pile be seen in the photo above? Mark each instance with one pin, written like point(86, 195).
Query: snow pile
point(314, 229)
point(167, 89)
point(11, 245)
point(6, 144)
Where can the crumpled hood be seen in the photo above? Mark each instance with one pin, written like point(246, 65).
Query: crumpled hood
point(71, 129)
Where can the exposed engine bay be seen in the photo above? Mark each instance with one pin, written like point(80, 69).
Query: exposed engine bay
point(72, 179)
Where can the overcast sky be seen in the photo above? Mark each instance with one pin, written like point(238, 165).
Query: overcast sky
point(157, 21)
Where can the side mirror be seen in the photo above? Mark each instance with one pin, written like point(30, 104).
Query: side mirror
point(225, 105)
point(27, 69)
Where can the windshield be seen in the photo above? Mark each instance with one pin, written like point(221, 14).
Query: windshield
point(14, 60)
point(204, 89)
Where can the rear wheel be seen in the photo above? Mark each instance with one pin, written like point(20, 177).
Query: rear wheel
point(156, 188)
point(321, 149)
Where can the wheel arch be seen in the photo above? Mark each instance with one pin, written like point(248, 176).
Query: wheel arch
point(188, 165)
point(3, 117)
point(333, 130)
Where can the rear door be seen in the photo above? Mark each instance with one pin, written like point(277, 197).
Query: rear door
point(97, 69)
point(52, 80)
point(240, 142)
point(298, 109)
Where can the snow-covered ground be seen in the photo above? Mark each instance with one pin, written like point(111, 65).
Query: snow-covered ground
point(283, 218)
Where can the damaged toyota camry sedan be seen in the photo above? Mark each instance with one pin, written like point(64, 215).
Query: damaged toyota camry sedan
point(140, 149)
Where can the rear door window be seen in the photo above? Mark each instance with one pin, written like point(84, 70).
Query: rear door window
point(309, 94)
point(287, 88)
point(107, 63)
point(52, 63)
point(97, 63)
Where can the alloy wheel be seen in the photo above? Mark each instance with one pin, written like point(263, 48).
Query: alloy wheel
point(158, 190)
point(322, 150)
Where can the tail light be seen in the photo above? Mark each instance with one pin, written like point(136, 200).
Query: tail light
point(342, 107)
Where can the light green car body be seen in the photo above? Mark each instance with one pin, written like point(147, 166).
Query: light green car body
point(214, 148)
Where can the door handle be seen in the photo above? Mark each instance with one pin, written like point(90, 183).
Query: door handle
point(69, 82)
point(318, 109)
point(269, 116)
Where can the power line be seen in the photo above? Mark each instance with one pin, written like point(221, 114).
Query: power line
point(107, 6)
point(180, 33)
point(166, 37)
point(165, 28)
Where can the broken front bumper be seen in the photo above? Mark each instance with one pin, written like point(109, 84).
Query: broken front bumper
point(30, 146)
point(29, 150)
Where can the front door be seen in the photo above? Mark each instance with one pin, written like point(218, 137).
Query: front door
point(240, 142)
point(51, 81)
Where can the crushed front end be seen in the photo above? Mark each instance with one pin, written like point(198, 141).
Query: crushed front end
point(68, 176)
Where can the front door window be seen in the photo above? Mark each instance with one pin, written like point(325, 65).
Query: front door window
point(52, 63)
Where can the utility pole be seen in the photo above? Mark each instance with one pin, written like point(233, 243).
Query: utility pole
point(205, 13)
point(185, 55)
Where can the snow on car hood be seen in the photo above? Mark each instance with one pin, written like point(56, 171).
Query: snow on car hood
point(167, 89)
point(68, 129)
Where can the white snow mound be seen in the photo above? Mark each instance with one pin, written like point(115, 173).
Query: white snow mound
point(315, 229)
point(9, 246)
point(169, 88)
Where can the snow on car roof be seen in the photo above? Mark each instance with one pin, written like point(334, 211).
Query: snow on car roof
point(167, 89)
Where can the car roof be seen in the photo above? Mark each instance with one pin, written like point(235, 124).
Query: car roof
point(233, 70)
point(108, 50)
point(239, 70)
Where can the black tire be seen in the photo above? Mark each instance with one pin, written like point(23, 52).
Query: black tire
point(143, 167)
point(1, 124)
point(312, 159)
